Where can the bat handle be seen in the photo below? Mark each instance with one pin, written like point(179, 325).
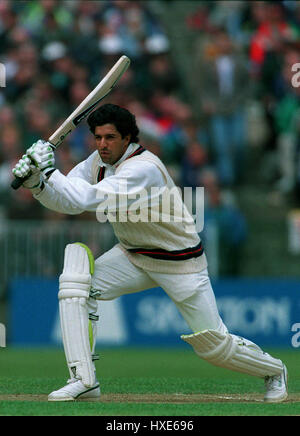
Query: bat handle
point(18, 181)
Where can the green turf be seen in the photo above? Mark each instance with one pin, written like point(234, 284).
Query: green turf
point(138, 371)
point(16, 408)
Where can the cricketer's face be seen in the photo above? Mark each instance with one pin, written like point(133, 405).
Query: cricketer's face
point(110, 144)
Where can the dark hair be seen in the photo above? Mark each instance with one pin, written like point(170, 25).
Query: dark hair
point(123, 120)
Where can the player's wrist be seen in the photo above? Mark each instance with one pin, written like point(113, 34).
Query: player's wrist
point(37, 185)
point(38, 189)
point(47, 172)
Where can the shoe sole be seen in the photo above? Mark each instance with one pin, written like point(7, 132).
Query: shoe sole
point(70, 399)
point(61, 399)
point(276, 400)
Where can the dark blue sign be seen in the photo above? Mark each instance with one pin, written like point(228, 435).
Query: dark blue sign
point(264, 311)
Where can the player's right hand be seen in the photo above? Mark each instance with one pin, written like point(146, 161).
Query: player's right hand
point(25, 168)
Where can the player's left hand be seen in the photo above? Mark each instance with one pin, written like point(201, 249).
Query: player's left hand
point(41, 153)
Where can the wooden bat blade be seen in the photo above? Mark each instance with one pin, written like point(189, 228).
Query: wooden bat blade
point(91, 101)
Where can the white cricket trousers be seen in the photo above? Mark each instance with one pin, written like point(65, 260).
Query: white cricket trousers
point(115, 275)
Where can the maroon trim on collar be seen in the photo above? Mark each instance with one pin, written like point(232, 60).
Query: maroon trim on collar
point(140, 150)
point(101, 172)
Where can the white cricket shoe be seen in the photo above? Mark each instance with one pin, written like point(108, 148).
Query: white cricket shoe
point(75, 390)
point(276, 387)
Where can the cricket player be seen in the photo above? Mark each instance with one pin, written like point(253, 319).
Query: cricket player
point(163, 249)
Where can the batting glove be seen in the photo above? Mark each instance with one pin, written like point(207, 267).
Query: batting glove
point(42, 155)
point(25, 168)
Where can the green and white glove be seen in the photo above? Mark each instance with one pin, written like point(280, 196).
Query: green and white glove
point(42, 155)
point(24, 168)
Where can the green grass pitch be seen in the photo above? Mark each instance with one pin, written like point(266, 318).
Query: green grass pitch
point(140, 382)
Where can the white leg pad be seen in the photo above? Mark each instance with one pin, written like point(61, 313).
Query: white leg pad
point(232, 352)
point(74, 287)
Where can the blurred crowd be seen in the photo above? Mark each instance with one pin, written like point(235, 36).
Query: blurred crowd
point(55, 52)
point(247, 54)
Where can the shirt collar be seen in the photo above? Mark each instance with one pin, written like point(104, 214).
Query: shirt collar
point(130, 149)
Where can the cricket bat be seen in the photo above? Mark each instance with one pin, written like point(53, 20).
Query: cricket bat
point(85, 108)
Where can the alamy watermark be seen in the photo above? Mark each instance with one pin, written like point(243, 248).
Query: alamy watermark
point(154, 205)
point(2, 76)
point(296, 77)
point(296, 337)
point(2, 336)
